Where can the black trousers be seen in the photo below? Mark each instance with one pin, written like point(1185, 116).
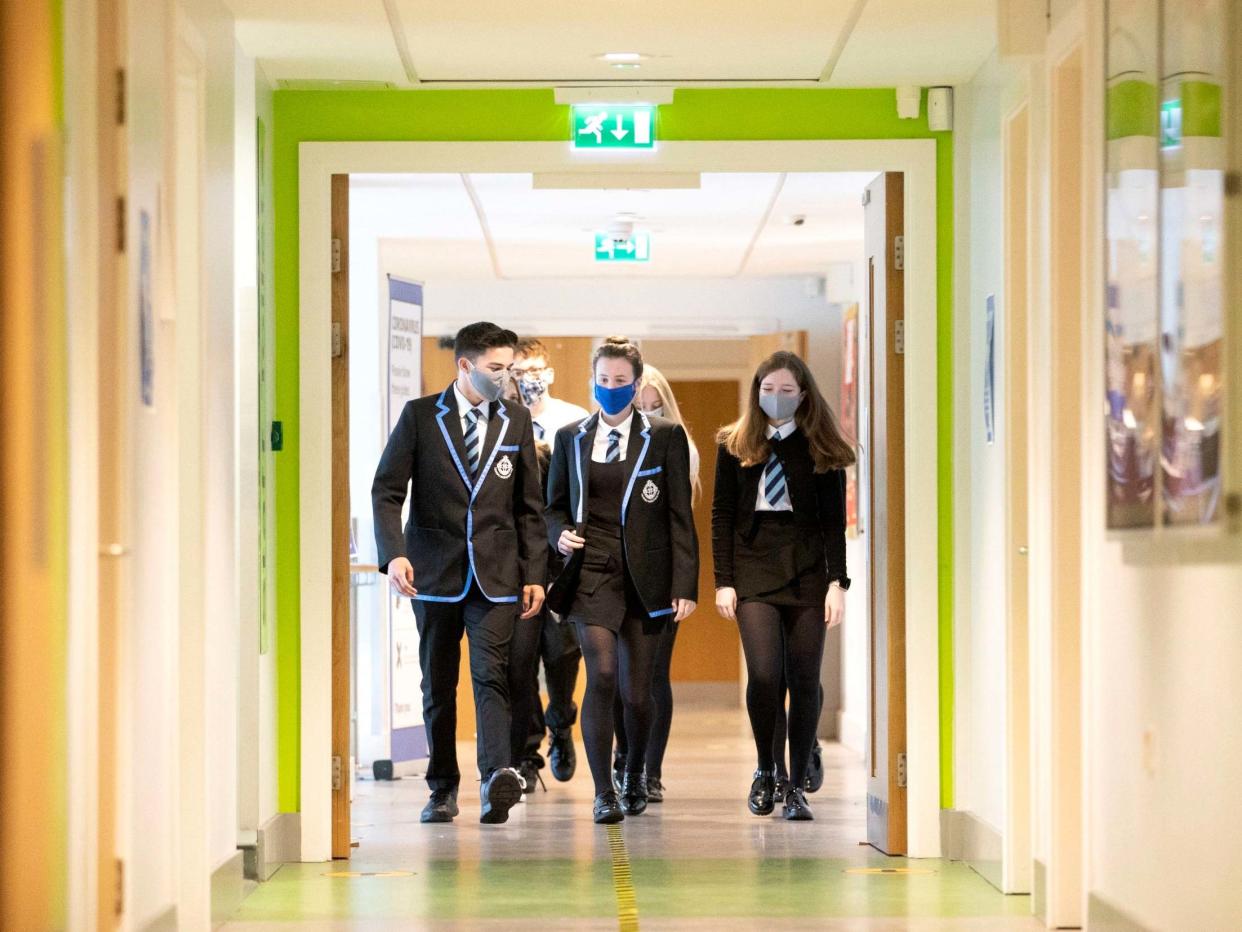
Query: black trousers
point(488, 627)
point(557, 646)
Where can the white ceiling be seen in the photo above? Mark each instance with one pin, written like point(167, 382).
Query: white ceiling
point(442, 226)
point(861, 43)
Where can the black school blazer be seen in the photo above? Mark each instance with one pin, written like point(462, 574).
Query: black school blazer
point(661, 545)
point(818, 501)
point(490, 529)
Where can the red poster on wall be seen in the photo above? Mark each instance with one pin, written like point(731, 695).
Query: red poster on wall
point(849, 412)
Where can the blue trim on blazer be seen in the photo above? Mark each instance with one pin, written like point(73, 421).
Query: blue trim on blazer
point(646, 435)
point(471, 574)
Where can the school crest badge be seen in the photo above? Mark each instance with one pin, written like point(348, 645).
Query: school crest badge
point(504, 467)
point(651, 492)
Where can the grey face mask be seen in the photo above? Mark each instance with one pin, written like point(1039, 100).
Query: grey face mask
point(657, 411)
point(489, 386)
point(780, 407)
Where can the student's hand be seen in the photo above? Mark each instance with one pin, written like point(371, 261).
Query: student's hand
point(726, 602)
point(532, 601)
point(401, 577)
point(834, 606)
point(569, 542)
point(683, 608)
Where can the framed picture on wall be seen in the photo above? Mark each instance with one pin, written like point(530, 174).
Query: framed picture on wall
point(1164, 309)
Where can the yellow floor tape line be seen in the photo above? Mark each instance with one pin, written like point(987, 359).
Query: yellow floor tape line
point(622, 881)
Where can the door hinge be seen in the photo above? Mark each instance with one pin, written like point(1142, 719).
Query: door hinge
point(118, 895)
point(901, 769)
point(336, 339)
point(899, 337)
point(120, 223)
point(120, 97)
point(866, 198)
point(899, 253)
point(336, 255)
point(337, 778)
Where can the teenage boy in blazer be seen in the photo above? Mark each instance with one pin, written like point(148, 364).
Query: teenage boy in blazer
point(472, 551)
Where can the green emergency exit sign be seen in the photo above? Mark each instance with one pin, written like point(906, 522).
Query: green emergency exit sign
point(634, 248)
point(614, 126)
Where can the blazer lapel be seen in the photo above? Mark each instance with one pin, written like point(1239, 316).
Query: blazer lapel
point(450, 430)
point(583, 442)
point(497, 427)
point(636, 453)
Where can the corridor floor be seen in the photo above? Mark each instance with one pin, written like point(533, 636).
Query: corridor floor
point(699, 861)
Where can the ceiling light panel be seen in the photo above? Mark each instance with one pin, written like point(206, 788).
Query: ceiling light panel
point(549, 40)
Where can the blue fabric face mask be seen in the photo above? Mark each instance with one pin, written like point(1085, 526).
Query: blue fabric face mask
point(614, 400)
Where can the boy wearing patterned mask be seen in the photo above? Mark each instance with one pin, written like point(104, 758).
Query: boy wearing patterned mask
point(557, 646)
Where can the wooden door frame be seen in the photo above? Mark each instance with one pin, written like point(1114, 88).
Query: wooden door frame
point(318, 161)
point(1016, 837)
point(891, 472)
point(341, 655)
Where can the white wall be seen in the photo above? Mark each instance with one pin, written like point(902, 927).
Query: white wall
point(178, 786)
point(979, 594)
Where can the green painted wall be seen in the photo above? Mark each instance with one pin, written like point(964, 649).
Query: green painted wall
point(532, 115)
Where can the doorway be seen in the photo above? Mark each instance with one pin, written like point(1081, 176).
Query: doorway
point(919, 366)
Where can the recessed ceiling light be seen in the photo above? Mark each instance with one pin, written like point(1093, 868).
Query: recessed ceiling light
point(626, 65)
point(621, 56)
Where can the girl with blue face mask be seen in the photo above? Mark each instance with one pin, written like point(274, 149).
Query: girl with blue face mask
point(619, 508)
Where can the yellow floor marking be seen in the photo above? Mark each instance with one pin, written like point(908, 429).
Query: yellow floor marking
point(622, 881)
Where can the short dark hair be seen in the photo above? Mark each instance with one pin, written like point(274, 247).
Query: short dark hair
point(619, 348)
point(475, 339)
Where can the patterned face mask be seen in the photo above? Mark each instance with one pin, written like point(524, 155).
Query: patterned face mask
point(533, 390)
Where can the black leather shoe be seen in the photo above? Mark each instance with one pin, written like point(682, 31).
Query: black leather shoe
point(442, 807)
point(500, 793)
point(795, 808)
point(634, 794)
point(762, 798)
point(655, 791)
point(607, 810)
point(561, 754)
point(528, 770)
point(618, 770)
point(815, 769)
point(781, 788)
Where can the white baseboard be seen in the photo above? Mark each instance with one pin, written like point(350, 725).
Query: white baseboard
point(966, 837)
point(277, 841)
point(229, 886)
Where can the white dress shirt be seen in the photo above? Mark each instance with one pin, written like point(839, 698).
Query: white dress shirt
point(599, 451)
point(761, 502)
point(463, 408)
point(555, 415)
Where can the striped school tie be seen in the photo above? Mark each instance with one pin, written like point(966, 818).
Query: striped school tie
point(614, 446)
point(474, 439)
point(774, 488)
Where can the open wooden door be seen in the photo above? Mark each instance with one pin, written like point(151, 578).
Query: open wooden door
point(341, 666)
point(883, 429)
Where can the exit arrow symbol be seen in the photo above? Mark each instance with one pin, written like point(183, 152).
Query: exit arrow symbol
point(620, 132)
point(627, 246)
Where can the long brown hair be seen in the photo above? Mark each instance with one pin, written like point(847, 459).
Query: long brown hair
point(747, 439)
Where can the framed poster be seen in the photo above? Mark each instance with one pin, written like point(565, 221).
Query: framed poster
point(1165, 316)
point(404, 350)
point(849, 412)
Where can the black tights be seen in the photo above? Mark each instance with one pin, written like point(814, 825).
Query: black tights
point(626, 660)
point(662, 714)
point(778, 733)
point(788, 640)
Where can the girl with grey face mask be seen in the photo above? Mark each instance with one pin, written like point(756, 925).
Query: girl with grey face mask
point(778, 545)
